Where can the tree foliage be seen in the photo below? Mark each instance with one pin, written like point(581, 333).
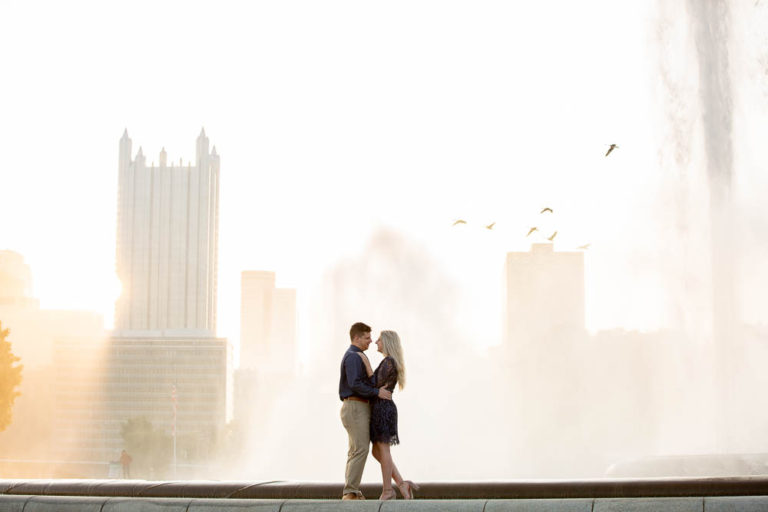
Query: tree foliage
point(10, 379)
point(150, 448)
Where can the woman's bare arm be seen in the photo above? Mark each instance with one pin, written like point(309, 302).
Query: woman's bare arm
point(367, 363)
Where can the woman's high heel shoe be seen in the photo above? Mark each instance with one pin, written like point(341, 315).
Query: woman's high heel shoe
point(407, 488)
point(388, 495)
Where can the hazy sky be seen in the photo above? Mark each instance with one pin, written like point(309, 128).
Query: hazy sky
point(333, 119)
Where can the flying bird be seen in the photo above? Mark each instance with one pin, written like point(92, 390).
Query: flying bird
point(532, 230)
point(585, 246)
point(613, 146)
point(460, 221)
point(546, 210)
point(490, 226)
point(553, 236)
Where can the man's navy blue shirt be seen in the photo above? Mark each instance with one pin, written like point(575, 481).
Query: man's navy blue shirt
point(354, 379)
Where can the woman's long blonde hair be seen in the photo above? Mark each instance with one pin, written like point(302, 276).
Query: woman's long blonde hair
point(393, 349)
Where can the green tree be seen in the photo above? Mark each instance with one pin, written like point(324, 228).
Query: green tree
point(150, 448)
point(10, 379)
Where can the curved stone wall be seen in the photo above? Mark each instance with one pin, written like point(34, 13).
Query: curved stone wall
point(21, 503)
point(537, 489)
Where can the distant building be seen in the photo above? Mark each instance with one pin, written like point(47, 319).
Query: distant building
point(267, 322)
point(247, 392)
point(15, 281)
point(544, 293)
point(284, 324)
point(165, 318)
point(139, 377)
point(167, 243)
point(33, 330)
point(34, 334)
point(256, 307)
point(267, 342)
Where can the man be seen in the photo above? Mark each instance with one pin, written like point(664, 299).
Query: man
point(356, 391)
point(125, 461)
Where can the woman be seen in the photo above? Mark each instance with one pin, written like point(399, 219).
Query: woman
point(390, 371)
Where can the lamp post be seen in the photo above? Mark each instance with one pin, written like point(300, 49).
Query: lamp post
point(173, 400)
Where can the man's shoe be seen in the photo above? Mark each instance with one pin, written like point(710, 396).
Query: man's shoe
point(350, 496)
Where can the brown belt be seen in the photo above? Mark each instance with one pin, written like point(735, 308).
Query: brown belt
point(358, 399)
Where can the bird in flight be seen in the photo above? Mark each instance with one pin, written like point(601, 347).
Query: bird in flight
point(546, 210)
point(553, 236)
point(460, 221)
point(613, 146)
point(585, 246)
point(490, 226)
point(534, 228)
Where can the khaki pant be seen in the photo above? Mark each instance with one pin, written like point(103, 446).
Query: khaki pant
point(356, 418)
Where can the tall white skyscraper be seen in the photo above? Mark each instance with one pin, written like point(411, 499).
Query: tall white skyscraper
point(163, 362)
point(167, 240)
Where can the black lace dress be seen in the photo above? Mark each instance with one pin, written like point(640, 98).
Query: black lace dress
point(384, 412)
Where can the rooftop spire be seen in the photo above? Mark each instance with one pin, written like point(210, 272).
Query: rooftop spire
point(213, 151)
point(125, 149)
point(202, 147)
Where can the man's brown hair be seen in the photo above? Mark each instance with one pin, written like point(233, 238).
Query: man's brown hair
point(357, 329)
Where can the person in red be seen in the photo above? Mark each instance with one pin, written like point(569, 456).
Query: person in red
point(125, 461)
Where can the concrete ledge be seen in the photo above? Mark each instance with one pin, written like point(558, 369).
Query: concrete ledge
point(145, 504)
point(330, 506)
point(649, 505)
point(516, 490)
point(196, 489)
point(543, 505)
point(433, 505)
point(61, 504)
point(13, 503)
point(737, 504)
point(234, 505)
point(10, 503)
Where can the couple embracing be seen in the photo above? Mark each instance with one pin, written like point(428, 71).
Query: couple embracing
point(368, 413)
